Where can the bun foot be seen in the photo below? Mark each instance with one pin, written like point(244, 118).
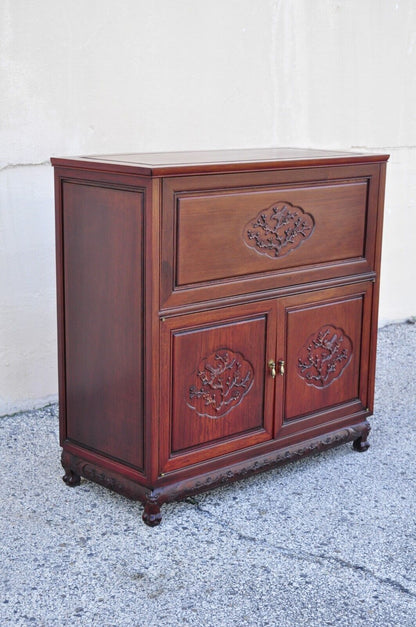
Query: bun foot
point(71, 478)
point(152, 515)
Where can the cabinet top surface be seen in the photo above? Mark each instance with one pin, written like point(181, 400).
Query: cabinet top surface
point(192, 162)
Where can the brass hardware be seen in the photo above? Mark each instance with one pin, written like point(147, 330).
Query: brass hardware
point(272, 366)
point(162, 474)
point(281, 367)
point(162, 319)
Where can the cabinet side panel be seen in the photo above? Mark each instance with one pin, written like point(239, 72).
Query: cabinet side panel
point(103, 295)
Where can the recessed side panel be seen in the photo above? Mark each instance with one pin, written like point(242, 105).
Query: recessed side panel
point(103, 304)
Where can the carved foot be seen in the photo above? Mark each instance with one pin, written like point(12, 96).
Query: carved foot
point(151, 515)
point(71, 478)
point(360, 444)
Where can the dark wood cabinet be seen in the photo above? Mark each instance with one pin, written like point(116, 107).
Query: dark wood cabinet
point(217, 313)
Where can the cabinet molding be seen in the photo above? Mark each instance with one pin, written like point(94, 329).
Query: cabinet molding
point(217, 313)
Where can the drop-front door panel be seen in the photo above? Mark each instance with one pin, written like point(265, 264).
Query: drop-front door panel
point(220, 237)
point(216, 387)
point(326, 355)
point(268, 230)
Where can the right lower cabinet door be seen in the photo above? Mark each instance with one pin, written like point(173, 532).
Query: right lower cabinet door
point(326, 367)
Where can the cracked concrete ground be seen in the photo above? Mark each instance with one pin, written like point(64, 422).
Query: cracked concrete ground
point(328, 540)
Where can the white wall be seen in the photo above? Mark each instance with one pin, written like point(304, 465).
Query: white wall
point(97, 76)
point(348, 79)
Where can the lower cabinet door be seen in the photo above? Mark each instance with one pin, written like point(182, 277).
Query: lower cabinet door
point(327, 339)
point(217, 389)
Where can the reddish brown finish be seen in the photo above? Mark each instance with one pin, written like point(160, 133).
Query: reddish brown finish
point(305, 406)
point(217, 313)
point(104, 319)
point(198, 225)
point(323, 352)
point(209, 224)
point(199, 162)
point(246, 334)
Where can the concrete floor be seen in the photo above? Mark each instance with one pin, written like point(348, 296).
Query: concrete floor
point(328, 540)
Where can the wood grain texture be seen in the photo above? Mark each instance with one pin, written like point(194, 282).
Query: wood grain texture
point(198, 162)
point(205, 220)
point(217, 313)
point(103, 293)
point(223, 356)
point(323, 355)
point(213, 232)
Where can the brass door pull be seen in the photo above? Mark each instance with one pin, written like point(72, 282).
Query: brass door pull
point(281, 364)
point(272, 366)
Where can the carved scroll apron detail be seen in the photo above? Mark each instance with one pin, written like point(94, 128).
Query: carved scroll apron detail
point(278, 230)
point(324, 356)
point(220, 383)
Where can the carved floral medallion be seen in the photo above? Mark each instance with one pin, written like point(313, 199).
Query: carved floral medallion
point(324, 356)
point(220, 383)
point(278, 230)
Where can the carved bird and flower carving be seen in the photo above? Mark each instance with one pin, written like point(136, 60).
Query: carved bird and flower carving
point(220, 383)
point(279, 230)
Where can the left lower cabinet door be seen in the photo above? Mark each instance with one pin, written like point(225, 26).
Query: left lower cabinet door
point(217, 387)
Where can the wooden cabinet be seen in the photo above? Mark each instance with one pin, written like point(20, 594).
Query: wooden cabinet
point(217, 313)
